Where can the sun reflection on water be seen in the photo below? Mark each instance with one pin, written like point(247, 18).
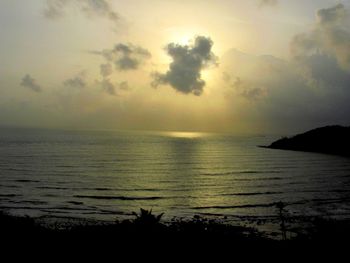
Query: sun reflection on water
point(186, 135)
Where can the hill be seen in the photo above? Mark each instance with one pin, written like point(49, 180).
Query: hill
point(329, 139)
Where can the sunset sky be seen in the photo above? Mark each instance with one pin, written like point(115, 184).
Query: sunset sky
point(245, 67)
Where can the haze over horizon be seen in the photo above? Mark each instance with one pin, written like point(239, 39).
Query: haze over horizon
point(268, 66)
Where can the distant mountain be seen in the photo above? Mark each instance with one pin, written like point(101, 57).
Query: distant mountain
point(329, 139)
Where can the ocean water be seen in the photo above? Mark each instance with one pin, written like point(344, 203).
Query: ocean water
point(105, 175)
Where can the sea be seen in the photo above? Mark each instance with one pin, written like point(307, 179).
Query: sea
point(107, 175)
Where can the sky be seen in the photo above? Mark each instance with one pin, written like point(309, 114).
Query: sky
point(243, 67)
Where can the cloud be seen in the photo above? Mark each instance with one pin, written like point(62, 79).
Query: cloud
point(184, 73)
point(106, 70)
point(308, 91)
point(257, 77)
point(244, 88)
point(102, 8)
point(113, 88)
point(263, 90)
point(331, 15)
point(108, 86)
point(262, 3)
point(124, 56)
point(54, 8)
point(29, 82)
point(76, 82)
point(124, 85)
point(128, 56)
point(330, 36)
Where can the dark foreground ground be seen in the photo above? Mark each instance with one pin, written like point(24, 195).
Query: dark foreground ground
point(148, 229)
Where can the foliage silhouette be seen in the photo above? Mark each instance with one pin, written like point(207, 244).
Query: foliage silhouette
point(146, 217)
point(147, 226)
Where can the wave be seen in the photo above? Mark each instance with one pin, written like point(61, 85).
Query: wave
point(102, 189)
point(260, 179)
point(75, 202)
point(6, 207)
point(26, 181)
point(9, 195)
point(330, 200)
point(65, 166)
point(244, 172)
point(31, 202)
point(234, 206)
point(9, 186)
point(252, 194)
point(17, 169)
point(51, 188)
point(300, 202)
point(122, 198)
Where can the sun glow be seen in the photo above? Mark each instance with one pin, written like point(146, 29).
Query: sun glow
point(186, 135)
point(184, 35)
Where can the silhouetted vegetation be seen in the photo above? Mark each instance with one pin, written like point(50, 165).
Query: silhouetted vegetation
point(147, 218)
point(281, 213)
point(329, 139)
point(146, 226)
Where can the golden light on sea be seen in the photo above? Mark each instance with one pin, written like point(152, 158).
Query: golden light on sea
point(186, 135)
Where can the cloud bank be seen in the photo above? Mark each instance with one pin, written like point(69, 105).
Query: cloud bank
point(330, 37)
point(184, 73)
point(310, 90)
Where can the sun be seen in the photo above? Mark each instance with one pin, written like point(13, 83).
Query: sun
point(181, 35)
point(183, 39)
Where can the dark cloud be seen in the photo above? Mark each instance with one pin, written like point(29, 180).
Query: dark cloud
point(265, 90)
point(262, 3)
point(310, 90)
point(330, 36)
point(76, 82)
point(184, 72)
point(56, 8)
point(127, 63)
point(304, 44)
point(124, 57)
point(128, 56)
point(322, 56)
point(323, 71)
point(29, 82)
point(331, 15)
